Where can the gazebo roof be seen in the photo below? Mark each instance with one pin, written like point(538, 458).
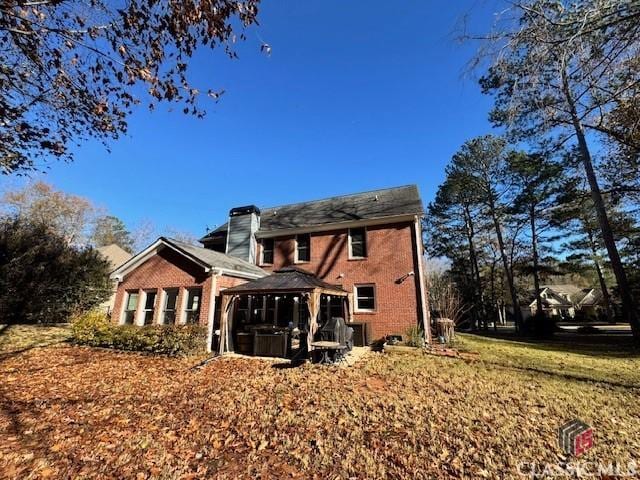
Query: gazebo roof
point(288, 279)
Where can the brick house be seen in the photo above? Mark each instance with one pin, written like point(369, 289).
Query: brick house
point(367, 244)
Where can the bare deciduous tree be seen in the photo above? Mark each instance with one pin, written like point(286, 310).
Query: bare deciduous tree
point(444, 299)
point(67, 215)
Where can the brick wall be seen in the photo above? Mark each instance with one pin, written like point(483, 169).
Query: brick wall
point(389, 258)
point(169, 269)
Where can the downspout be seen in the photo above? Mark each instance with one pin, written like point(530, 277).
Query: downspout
point(420, 280)
point(212, 307)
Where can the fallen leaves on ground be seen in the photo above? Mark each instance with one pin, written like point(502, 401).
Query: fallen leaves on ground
point(72, 412)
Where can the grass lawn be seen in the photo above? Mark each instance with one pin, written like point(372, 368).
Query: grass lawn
point(76, 412)
point(614, 363)
point(20, 337)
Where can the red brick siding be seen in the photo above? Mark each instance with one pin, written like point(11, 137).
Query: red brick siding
point(168, 269)
point(228, 282)
point(389, 257)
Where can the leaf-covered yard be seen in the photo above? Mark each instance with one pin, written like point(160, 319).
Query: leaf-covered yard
point(77, 412)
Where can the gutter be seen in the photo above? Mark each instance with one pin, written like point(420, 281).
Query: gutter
point(239, 274)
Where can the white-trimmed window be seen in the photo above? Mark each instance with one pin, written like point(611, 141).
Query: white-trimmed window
point(169, 306)
point(358, 242)
point(192, 307)
point(266, 251)
point(365, 298)
point(331, 306)
point(303, 248)
point(130, 308)
point(149, 306)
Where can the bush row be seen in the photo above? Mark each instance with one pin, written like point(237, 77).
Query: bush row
point(96, 330)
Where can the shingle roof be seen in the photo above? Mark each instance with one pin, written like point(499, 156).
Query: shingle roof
point(370, 205)
point(215, 259)
point(114, 254)
point(289, 279)
point(595, 298)
point(564, 289)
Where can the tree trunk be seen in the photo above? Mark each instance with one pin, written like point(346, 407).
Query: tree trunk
point(534, 248)
point(475, 270)
point(512, 288)
point(603, 284)
point(628, 305)
point(494, 315)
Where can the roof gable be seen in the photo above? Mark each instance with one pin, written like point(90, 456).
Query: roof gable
point(207, 259)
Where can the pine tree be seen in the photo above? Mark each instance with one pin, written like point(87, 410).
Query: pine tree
point(557, 75)
point(535, 181)
point(108, 230)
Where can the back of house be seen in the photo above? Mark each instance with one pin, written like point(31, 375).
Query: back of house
point(368, 244)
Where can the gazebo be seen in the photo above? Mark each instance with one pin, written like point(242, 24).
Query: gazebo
point(288, 300)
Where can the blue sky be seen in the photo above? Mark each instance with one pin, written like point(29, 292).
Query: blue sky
point(356, 95)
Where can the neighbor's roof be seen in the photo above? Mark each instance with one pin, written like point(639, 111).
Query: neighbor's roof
point(375, 204)
point(577, 295)
point(564, 289)
point(114, 254)
point(549, 298)
point(591, 297)
point(289, 279)
point(202, 256)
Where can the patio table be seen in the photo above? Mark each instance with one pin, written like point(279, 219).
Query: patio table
point(325, 348)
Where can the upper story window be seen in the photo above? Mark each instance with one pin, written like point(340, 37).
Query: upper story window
point(303, 248)
point(131, 308)
point(266, 255)
point(357, 243)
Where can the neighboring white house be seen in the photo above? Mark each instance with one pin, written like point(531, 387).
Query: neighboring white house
point(116, 256)
point(565, 300)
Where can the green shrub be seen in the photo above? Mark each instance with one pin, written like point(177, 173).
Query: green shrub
point(414, 337)
point(90, 328)
point(43, 279)
point(94, 329)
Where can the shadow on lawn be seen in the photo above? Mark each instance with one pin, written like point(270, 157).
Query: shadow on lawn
point(568, 376)
point(25, 438)
point(287, 365)
point(602, 345)
point(19, 338)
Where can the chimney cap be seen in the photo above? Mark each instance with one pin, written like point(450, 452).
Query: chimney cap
point(237, 211)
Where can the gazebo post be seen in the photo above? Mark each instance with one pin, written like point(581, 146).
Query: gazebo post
point(346, 309)
point(313, 304)
point(227, 304)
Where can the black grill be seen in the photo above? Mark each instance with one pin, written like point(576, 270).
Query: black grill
point(336, 330)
